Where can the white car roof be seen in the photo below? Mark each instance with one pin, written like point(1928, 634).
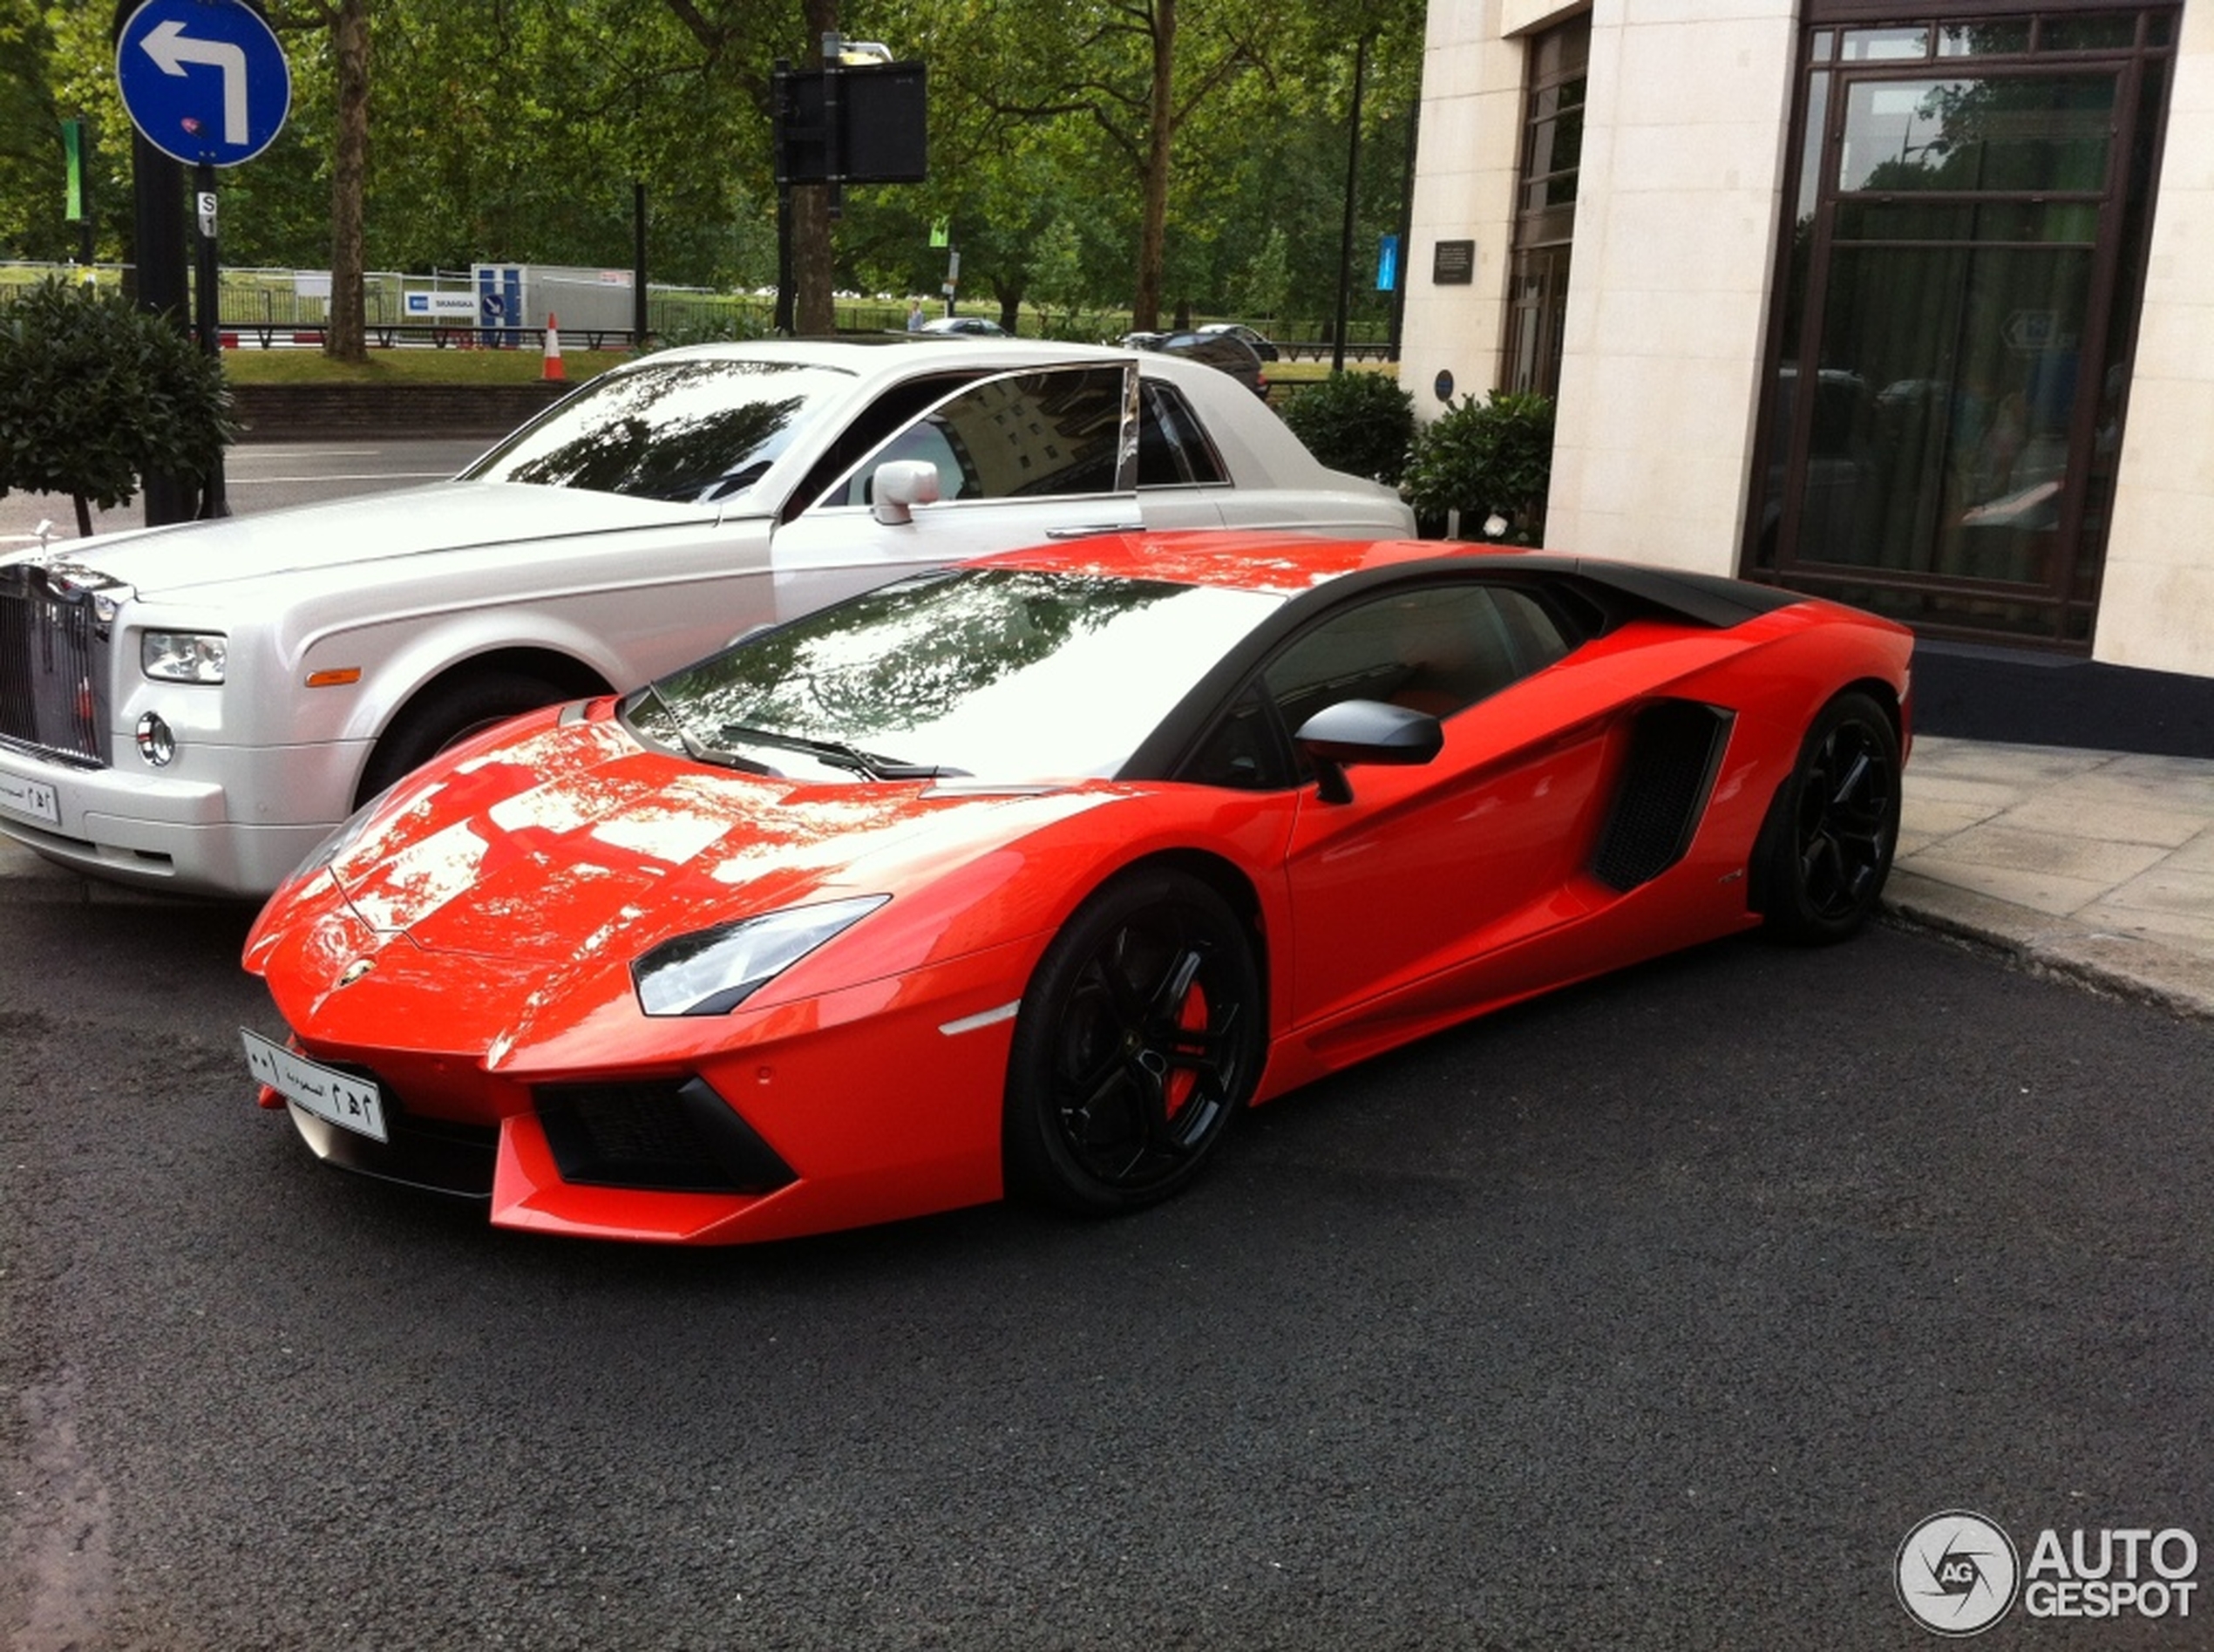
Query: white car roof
point(1252, 441)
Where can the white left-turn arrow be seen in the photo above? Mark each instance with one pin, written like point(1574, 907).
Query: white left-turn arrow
point(172, 49)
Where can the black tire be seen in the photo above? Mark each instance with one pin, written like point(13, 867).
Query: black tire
point(446, 714)
point(1139, 1039)
point(1828, 839)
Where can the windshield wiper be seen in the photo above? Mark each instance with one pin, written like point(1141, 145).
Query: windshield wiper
point(698, 750)
point(839, 755)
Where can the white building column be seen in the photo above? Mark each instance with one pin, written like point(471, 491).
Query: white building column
point(2157, 602)
point(1677, 217)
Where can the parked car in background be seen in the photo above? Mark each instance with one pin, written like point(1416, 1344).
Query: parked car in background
point(194, 708)
point(974, 326)
point(1261, 346)
point(1029, 875)
point(1225, 352)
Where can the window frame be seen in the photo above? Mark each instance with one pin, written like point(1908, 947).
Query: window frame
point(847, 488)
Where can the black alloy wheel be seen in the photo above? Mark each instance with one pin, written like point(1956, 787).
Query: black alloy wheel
point(1139, 1041)
point(1830, 840)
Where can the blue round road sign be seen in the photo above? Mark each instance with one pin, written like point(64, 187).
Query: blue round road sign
point(205, 81)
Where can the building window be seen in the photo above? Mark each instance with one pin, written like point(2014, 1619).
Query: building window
point(1958, 306)
point(1552, 150)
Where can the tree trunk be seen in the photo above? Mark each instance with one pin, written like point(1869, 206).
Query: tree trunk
point(814, 315)
point(347, 338)
point(1152, 237)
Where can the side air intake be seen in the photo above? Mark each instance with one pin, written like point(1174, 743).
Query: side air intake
point(1675, 746)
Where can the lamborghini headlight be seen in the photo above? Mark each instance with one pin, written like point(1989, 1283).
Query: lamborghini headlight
point(184, 656)
point(711, 971)
point(342, 837)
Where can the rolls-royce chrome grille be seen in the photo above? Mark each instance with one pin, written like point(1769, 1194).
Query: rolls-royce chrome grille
point(50, 672)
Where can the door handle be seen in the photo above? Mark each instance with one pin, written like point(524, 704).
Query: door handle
point(1087, 530)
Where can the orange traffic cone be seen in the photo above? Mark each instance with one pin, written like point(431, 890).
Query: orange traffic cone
point(553, 370)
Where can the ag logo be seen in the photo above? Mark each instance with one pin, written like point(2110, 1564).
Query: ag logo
point(1956, 1572)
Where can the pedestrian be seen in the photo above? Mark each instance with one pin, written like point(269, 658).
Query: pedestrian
point(914, 314)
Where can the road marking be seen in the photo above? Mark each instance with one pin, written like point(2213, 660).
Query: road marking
point(365, 476)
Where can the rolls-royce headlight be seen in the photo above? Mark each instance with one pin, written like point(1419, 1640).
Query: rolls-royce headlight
point(714, 970)
point(184, 656)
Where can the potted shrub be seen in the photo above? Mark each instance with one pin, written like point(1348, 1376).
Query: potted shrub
point(95, 394)
point(1358, 422)
point(1480, 470)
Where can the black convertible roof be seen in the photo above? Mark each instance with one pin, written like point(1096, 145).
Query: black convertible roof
point(1700, 599)
point(1704, 599)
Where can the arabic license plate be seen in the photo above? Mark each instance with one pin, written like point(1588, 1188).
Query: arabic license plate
point(337, 1098)
point(34, 799)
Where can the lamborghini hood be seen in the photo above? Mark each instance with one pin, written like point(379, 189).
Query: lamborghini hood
point(558, 845)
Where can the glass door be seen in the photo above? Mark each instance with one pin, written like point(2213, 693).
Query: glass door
point(1959, 301)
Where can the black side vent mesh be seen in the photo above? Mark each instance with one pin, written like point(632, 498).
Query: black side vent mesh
point(672, 1136)
point(1675, 746)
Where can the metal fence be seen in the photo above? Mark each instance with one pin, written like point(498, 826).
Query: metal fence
point(272, 308)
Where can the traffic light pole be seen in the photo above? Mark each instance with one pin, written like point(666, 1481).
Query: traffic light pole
point(156, 276)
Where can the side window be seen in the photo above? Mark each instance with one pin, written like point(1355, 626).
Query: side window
point(1242, 751)
point(931, 442)
point(1040, 435)
point(870, 426)
point(1173, 448)
point(1438, 648)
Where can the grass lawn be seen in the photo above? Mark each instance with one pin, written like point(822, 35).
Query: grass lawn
point(1315, 372)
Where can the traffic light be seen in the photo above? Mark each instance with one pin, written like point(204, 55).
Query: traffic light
point(851, 124)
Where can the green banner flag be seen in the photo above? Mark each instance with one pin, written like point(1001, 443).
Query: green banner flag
point(74, 151)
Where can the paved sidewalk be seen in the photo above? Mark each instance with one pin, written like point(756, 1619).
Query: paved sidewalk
point(2094, 865)
point(2097, 865)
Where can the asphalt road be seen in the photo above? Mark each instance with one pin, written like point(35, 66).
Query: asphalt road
point(261, 476)
point(1651, 1314)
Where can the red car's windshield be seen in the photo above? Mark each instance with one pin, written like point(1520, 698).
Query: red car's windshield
point(1007, 674)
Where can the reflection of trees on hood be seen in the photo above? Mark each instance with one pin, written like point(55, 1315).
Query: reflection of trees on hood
point(630, 445)
point(893, 662)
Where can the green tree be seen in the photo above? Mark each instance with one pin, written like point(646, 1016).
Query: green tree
point(1265, 285)
point(1181, 149)
point(30, 149)
point(95, 393)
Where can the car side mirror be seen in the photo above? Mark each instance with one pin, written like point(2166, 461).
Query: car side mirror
point(1365, 732)
point(897, 486)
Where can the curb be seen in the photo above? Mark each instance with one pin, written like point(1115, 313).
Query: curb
point(2123, 966)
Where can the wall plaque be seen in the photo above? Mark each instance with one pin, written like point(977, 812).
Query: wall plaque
point(1452, 264)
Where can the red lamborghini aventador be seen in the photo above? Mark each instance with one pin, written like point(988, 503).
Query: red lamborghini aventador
point(1027, 876)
